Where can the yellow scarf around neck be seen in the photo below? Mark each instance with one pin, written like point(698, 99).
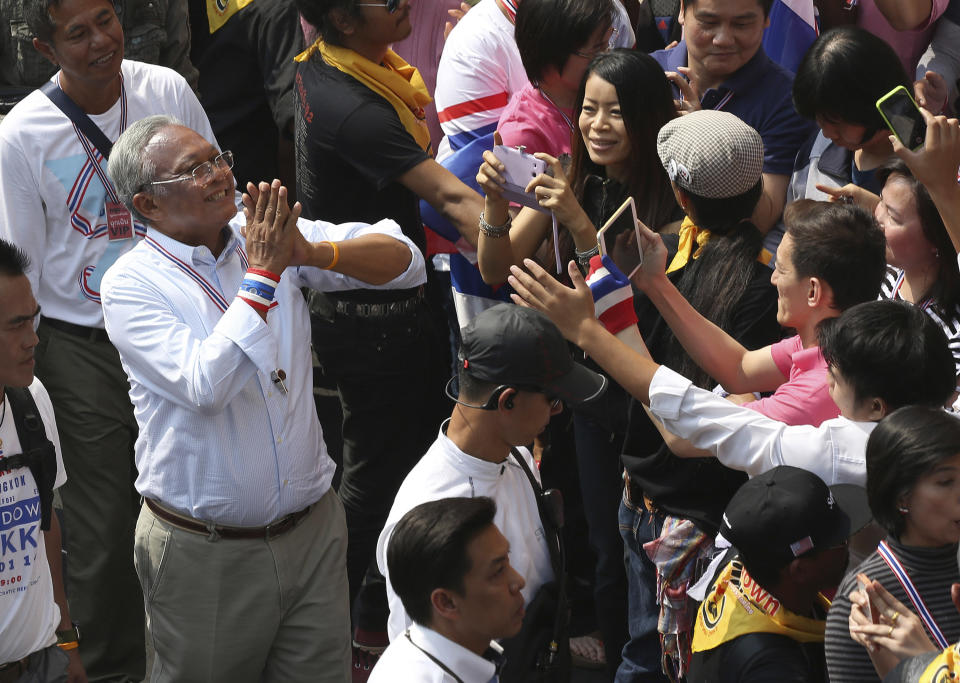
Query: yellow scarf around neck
point(738, 605)
point(396, 81)
point(690, 233)
point(219, 11)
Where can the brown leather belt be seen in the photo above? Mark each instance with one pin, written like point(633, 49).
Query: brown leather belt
point(278, 528)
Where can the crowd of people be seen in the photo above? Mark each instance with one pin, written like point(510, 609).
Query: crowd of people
point(472, 342)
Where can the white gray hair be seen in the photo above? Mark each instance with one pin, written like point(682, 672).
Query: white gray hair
point(131, 170)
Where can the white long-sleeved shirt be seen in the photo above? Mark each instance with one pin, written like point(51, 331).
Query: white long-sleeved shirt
point(52, 204)
point(219, 441)
point(743, 439)
point(405, 660)
point(446, 471)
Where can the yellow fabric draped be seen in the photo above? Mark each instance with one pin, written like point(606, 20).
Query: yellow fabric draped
point(398, 82)
point(690, 233)
point(738, 605)
point(946, 667)
point(218, 11)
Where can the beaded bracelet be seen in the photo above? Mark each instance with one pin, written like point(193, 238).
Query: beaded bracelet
point(583, 257)
point(495, 230)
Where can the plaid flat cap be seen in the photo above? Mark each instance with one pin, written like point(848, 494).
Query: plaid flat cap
point(711, 154)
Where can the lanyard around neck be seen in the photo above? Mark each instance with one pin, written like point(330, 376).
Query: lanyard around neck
point(888, 556)
point(434, 659)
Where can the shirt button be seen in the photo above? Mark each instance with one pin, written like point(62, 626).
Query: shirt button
point(280, 441)
point(269, 394)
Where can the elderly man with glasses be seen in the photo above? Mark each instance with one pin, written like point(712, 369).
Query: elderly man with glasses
point(241, 543)
point(514, 369)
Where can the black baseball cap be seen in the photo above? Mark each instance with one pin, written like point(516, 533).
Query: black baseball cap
point(509, 344)
point(787, 512)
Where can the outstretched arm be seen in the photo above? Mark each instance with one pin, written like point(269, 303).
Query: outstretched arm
point(719, 354)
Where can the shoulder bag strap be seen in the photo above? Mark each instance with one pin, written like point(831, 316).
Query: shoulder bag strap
point(73, 112)
point(37, 448)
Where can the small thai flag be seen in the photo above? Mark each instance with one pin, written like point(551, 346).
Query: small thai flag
point(793, 28)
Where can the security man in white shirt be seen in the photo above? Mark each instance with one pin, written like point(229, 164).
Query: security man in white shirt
point(240, 546)
point(450, 565)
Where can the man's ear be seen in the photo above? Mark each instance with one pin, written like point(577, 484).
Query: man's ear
point(877, 408)
point(683, 9)
point(819, 293)
point(345, 23)
point(146, 205)
point(444, 603)
point(46, 49)
point(505, 402)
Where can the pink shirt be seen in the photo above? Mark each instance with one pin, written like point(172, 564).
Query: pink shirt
point(531, 120)
point(803, 399)
point(909, 45)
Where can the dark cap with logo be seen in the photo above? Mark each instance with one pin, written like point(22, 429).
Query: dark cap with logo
point(787, 512)
point(509, 344)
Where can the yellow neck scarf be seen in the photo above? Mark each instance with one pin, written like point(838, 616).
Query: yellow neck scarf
point(399, 83)
point(737, 605)
point(690, 233)
point(219, 11)
point(944, 668)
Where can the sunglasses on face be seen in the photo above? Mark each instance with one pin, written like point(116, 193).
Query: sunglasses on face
point(391, 5)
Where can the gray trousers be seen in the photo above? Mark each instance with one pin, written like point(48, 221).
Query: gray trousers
point(48, 665)
point(89, 391)
point(236, 610)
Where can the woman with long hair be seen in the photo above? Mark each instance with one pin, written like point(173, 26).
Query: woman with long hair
point(623, 100)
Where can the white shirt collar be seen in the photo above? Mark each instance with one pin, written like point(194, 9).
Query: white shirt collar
point(470, 667)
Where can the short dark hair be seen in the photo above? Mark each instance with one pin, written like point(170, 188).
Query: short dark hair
point(549, 31)
point(891, 350)
point(945, 290)
point(428, 550)
point(472, 389)
point(842, 245)
point(906, 445)
point(765, 4)
point(844, 73)
point(13, 260)
point(317, 13)
point(36, 15)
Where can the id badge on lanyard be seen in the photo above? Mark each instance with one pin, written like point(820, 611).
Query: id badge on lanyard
point(119, 221)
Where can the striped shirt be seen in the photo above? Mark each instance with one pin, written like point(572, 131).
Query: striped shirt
point(890, 289)
point(932, 571)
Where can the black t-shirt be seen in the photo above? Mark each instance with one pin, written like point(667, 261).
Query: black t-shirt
point(697, 489)
point(246, 80)
point(351, 148)
point(759, 658)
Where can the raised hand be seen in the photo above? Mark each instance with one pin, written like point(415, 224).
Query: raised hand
point(570, 308)
point(271, 231)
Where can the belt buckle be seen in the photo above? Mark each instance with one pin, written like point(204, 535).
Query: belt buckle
point(276, 528)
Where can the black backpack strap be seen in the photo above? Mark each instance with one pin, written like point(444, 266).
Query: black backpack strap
point(78, 116)
point(38, 451)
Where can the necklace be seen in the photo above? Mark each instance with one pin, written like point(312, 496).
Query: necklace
point(3, 417)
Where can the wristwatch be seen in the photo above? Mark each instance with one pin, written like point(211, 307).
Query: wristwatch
point(69, 635)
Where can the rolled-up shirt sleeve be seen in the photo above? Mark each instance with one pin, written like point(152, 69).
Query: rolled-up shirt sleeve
point(740, 438)
point(330, 281)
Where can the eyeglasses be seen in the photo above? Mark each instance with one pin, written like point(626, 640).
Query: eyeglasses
point(203, 174)
point(609, 41)
point(391, 5)
point(493, 403)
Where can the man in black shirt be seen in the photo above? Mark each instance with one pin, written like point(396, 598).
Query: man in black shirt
point(764, 617)
point(363, 154)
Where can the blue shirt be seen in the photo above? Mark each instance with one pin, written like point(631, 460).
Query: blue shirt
point(760, 94)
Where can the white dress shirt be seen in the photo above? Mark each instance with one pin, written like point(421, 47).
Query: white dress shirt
point(404, 660)
point(445, 471)
point(743, 439)
point(219, 440)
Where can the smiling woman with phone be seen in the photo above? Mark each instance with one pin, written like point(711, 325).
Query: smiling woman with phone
point(623, 100)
